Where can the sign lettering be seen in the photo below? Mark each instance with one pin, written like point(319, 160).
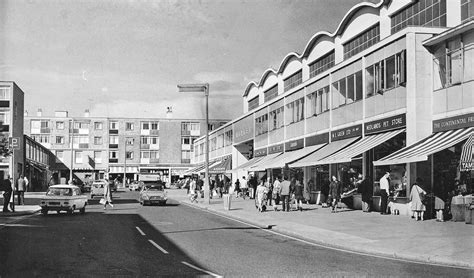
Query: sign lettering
point(454, 123)
point(345, 133)
point(385, 124)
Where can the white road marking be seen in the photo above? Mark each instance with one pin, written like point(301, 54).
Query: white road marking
point(325, 246)
point(141, 232)
point(200, 269)
point(157, 246)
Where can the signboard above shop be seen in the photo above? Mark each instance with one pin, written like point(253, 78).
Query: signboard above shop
point(317, 139)
point(243, 130)
point(456, 122)
point(260, 152)
point(386, 124)
point(294, 145)
point(348, 132)
point(276, 148)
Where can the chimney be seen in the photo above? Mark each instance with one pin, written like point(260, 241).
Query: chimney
point(169, 112)
point(26, 113)
point(39, 113)
point(87, 113)
point(60, 114)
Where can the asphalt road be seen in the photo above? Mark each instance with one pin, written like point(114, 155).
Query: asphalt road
point(175, 240)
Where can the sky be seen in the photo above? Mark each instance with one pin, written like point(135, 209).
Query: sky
point(125, 58)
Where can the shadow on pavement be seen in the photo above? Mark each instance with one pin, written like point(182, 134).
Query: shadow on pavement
point(213, 229)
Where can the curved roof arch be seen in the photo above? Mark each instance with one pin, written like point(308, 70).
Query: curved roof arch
point(312, 42)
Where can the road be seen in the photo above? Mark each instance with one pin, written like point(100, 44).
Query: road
point(175, 240)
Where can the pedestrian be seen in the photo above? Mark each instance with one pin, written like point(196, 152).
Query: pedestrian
point(200, 187)
point(227, 185)
point(192, 190)
point(325, 192)
point(107, 195)
point(27, 184)
point(334, 193)
point(384, 191)
point(244, 187)
point(261, 193)
point(276, 192)
point(365, 189)
point(237, 188)
point(285, 194)
point(417, 195)
point(20, 189)
point(299, 196)
point(269, 187)
point(7, 193)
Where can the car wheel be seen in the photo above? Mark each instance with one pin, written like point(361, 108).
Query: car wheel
point(70, 210)
point(83, 210)
point(44, 211)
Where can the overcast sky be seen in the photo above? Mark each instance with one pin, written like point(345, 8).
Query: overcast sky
point(124, 58)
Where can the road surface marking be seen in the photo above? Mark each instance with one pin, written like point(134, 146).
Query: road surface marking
point(157, 246)
point(200, 269)
point(325, 246)
point(141, 232)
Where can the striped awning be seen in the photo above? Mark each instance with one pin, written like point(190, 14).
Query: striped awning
point(466, 162)
point(201, 167)
point(247, 164)
point(316, 157)
point(288, 157)
point(420, 150)
point(361, 146)
point(262, 164)
point(221, 167)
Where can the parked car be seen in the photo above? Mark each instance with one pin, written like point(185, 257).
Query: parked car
point(152, 194)
point(63, 197)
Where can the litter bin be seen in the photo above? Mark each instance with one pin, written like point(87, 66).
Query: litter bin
point(226, 201)
point(469, 212)
point(458, 208)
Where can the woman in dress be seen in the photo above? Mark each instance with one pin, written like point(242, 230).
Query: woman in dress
point(261, 194)
point(107, 195)
point(416, 196)
point(299, 188)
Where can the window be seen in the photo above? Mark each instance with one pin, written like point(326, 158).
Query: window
point(81, 139)
point(44, 124)
point(213, 143)
point(386, 74)
point(41, 138)
point(81, 125)
point(98, 156)
point(144, 154)
point(295, 111)
point(155, 126)
point(59, 139)
point(128, 126)
point(5, 118)
point(322, 64)
point(59, 125)
point(228, 138)
point(60, 154)
point(361, 42)
point(253, 103)
point(150, 140)
point(448, 64)
point(276, 118)
point(4, 93)
point(421, 13)
point(77, 157)
point(185, 140)
point(261, 125)
point(98, 125)
point(113, 125)
point(185, 155)
point(129, 155)
point(467, 9)
point(113, 154)
point(271, 93)
point(97, 140)
point(293, 81)
point(130, 141)
point(145, 126)
point(113, 139)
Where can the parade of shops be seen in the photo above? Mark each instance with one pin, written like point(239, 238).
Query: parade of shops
point(391, 89)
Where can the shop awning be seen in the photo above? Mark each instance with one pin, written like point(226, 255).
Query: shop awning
point(221, 167)
point(288, 157)
point(262, 164)
point(247, 164)
point(317, 156)
point(422, 149)
point(200, 168)
point(467, 155)
point(361, 146)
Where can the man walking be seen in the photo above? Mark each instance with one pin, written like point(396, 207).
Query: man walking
point(7, 193)
point(384, 189)
point(285, 193)
point(20, 188)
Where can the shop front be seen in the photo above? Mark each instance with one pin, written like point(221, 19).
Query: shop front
point(260, 168)
point(438, 160)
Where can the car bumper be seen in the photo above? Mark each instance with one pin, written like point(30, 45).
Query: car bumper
point(154, 201)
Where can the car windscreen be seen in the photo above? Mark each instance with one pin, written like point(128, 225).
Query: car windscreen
point(59, 192)
point(155, 188)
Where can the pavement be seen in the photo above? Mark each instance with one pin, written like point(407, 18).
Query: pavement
point(390, 236)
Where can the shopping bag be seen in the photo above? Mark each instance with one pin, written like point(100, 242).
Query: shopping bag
point(102, 201)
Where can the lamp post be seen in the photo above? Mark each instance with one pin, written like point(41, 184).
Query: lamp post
point(205, 89)
point(72, 150)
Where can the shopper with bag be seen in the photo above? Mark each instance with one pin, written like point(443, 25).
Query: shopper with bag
point(417, 195)
point(107, 199)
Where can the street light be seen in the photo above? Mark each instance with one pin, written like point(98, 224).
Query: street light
point(185, 88)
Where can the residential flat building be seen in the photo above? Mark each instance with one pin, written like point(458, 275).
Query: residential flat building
point(391, 89)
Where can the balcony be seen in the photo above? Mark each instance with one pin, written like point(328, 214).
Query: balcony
point(113, 131)
point(185, 132)
point(45, 130)
point(83, 146)
point(154, 132)
point(145, 146)
point(186, 160)
point(113, 160)
point(4, 103)
point(4, 127)
point(113, 146)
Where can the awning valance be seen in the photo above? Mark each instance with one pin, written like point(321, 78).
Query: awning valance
point(317, 156)
point(262, 164)
point(422, 149)
point(467, 155)
point(288, 157)
point(361, 146)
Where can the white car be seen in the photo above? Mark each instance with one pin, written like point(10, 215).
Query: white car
point(63, 197)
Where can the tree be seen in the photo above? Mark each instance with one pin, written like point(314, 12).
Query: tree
point(5, 150)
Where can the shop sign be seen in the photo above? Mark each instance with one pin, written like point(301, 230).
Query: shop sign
point(155, 171)
point(395, 122)
point(260, 152)
point(146, 177)
point(243, 130)
point(456, 122)
point(276, 149)
point(317, 139)
point(347, 132)
point(294, 145)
